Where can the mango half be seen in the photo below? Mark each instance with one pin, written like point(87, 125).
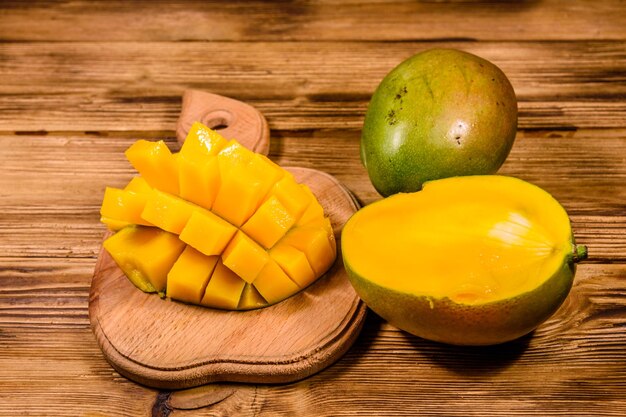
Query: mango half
point(216, 225)
point(474, 260)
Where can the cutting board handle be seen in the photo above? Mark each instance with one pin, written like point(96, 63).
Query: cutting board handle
point(233, 119)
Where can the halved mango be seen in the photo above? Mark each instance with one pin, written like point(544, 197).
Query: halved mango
point(470, 260)
point(233, 211)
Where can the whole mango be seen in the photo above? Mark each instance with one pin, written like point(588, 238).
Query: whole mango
point(440, 113)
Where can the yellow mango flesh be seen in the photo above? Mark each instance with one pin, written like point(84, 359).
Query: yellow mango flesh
point(294, 263)
point(291, 195)
point(155, 163)
point(123, 206)
point(167, 211)
point(224, 289)
point(461, 240)
point(207, 232)
point(474, 260)
point(251, 298)
point(188, 277)
point(145, 254)
point(269, 223)
point(235, 213)
point(244, 257)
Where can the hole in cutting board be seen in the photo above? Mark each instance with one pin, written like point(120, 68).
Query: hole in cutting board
point(218, 120)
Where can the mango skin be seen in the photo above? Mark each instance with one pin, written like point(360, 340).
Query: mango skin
point(440, 113)
point(443, 320)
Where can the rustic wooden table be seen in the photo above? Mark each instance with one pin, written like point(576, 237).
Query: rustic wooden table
point(79, 81)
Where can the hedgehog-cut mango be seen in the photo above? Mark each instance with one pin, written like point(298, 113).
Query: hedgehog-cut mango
point(216, 225)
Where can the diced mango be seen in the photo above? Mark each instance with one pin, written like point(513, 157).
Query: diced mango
point(188, 278)
point(145, 254)
point(269, 223)
point(251, 234)
point(291, 195)
point(155, 163)
point(167, 211)
point(199, 180)
point(138, 185)
point(224, 289)
point(294, 263)
point(113, 224)
point(273, 283)
point(233, 154)
point(250, 298)
point(240, 194)
point(207, 232)
point(315, 243)
point(314, 210)
point(201, 142)
point(244, 257)
point(265, 171)
point(124, 206)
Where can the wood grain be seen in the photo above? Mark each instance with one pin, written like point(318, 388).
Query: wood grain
point(296, 85)
point(82, 80)
point(312, 20)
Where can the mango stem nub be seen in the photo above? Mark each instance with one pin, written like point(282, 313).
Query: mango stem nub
point(579, 253)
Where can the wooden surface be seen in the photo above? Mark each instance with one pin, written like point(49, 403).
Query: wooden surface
point(167, 344)
point(80, 81)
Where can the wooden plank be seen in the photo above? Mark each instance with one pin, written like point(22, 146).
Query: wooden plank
point(310, 85)
point(311, 20)
point(52, 186)
point(576, 360)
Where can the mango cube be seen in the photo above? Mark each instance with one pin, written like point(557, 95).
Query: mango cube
point(244, 257)
point(199, 180)
point(201, 142)
point(145, 254)
point(167, 211)
point(269, 223)
point(138, 185)
point(273, 283)
point(224, 289)
point(294, 263)
point(316, 245)
point(313, 211)
point(240, 194)
point(155, 163)
point(207, 232)
point(291, 195)
point(188, 277)
point(123, 206)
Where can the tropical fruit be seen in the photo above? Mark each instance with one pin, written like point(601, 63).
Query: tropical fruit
point(440, 113)
point(472, 260)
point(216, 225)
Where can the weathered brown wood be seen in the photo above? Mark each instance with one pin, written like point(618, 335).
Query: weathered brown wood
point(296, 85)
point(79, 81)
point(573, 364)
point(311, 20)
point(191, 345)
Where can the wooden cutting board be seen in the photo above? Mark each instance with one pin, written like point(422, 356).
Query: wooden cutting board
point(167, 344)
